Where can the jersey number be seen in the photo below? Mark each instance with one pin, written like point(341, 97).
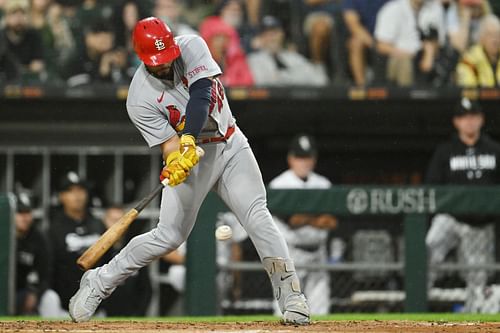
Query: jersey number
point(217, 96)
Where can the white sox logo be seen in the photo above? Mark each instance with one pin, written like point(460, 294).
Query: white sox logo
point(159, 45)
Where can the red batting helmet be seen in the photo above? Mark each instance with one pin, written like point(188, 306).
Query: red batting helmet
point(154, 42)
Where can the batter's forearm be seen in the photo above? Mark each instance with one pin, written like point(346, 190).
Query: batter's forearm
point(169, 146)
point(197, 108)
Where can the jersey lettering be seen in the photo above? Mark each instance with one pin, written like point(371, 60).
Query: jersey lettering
point(196, 70)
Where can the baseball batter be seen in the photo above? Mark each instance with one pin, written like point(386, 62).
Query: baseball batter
point(177, 102)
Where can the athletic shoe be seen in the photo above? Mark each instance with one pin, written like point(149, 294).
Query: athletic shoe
point(86, 300)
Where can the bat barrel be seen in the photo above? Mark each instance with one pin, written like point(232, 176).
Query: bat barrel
point(90, 257)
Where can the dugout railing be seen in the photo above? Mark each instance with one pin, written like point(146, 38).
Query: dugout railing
point(414, 204)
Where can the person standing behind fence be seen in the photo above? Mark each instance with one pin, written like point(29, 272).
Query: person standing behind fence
point(33, 296)
point(468, 158)
point(72, 231)
point(307, 234)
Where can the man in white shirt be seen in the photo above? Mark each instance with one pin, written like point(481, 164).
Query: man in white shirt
point(408, 32)
point(307, 234)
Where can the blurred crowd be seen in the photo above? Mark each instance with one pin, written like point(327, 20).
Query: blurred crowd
point(266, 43)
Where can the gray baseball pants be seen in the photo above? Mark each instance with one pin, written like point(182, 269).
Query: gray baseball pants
point(230, 169)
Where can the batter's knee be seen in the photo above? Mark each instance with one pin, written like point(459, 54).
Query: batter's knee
point(168, 239)
point(257, 215)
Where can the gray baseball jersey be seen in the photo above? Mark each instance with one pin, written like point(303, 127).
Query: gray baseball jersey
point(157, 108)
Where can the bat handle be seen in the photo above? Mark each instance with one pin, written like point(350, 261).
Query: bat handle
point(144, 202)
point(199, 151)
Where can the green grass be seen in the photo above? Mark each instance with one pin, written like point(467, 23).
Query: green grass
point(435, 317)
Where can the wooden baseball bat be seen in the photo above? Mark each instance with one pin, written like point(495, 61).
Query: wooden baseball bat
point(92, 255)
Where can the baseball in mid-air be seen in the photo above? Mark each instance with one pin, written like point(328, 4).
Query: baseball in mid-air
point(223, 232)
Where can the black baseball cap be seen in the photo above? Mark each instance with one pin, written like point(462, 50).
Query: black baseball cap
point(99, 26)
point(71, 179)
point(269, 22)
point(23, 203)
point(467, 106)
point(303, 145)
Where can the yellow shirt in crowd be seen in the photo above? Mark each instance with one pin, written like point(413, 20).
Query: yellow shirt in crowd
point(475, 70)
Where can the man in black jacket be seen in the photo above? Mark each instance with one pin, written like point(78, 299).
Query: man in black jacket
point(32, 259)
point(72, 231)
point(468, 158)
point(33, 264)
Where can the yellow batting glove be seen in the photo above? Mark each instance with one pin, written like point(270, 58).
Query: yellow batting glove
point(175, 174)
point(177, 157)
point(188, 149)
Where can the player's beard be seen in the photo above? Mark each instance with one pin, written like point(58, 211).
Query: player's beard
point(163, 74)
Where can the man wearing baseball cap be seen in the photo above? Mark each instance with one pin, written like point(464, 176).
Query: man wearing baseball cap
point(468, 158)
point(72, 231)
point(177, 102)
point(33, 265)
point(307, 234)
point(32, 259)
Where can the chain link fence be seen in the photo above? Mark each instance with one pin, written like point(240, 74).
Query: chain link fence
point(363, 269)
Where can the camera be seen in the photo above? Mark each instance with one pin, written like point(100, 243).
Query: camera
point(429, 34)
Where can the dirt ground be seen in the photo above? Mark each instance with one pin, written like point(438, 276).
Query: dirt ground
point(253, 327)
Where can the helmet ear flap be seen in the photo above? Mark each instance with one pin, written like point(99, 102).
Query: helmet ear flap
point(154, 42)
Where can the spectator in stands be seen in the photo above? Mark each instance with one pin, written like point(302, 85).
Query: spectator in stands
point(126, 15)
point(307, 234)
point(480, 66)
point(462, 22)
point(58, 41)
point(286, 13)
point(170, 12)
point(224, 43)
point(468, 158)
point(72, 231)
point(100, 62)
point(136, 288)
point(33, 259)
point(8, 63)
point(22, 42)
point(319, 29)
point(69, 9)
point(273, 65)
point(92, 12)
point(411, 47)
point(360, 17)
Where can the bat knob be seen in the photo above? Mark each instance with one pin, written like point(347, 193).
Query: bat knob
point(199, 151)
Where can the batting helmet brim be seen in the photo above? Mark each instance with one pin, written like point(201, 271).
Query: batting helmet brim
point(161, 58)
